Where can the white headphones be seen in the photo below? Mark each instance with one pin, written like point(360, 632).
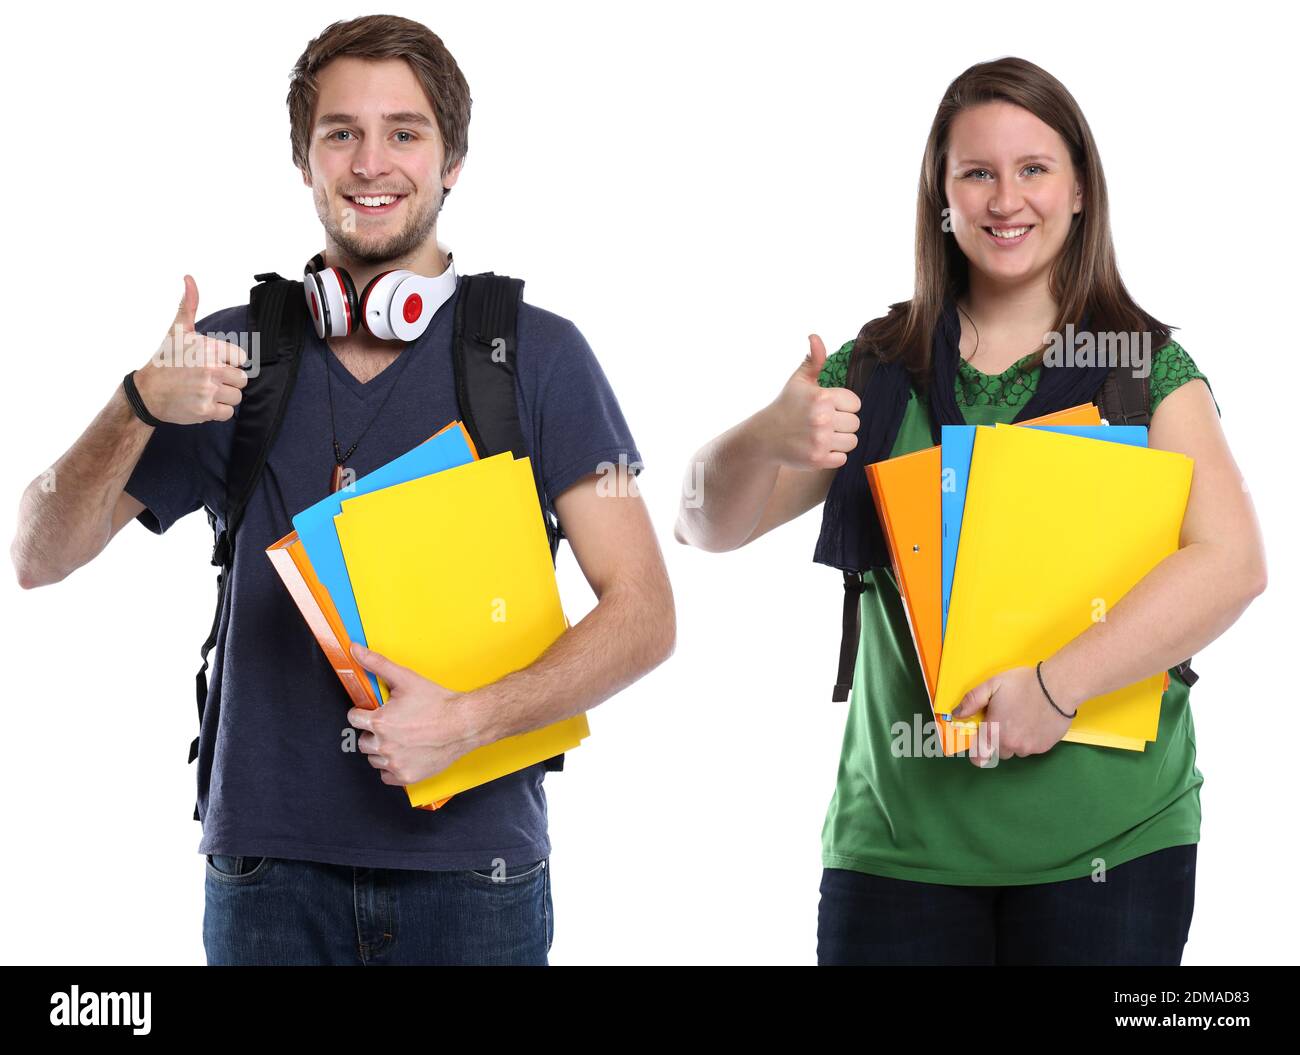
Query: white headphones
point(395, 305)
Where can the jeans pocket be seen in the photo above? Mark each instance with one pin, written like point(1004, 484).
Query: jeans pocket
point(503, 874)
point(236, 869)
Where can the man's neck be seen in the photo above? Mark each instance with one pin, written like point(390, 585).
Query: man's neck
point(363, 353)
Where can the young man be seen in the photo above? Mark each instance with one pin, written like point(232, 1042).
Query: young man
point(314, 852)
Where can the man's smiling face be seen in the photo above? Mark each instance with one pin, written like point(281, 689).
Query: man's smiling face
point(376, 159)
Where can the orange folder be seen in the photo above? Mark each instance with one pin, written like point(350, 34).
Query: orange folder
point(313, 601)
point(290, 559)
point(907, 493)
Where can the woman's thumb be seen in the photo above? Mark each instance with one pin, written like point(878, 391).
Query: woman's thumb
point(815, 359)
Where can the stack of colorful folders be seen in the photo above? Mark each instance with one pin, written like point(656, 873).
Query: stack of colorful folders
point(439, 561)
point(1009, 541)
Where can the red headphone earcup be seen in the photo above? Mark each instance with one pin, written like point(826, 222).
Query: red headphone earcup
point(331, 300)
point(316, 306)
point(379, 311)
point(403, 302)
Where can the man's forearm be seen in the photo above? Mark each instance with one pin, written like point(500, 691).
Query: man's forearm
point(728, 483)
point(65, 515)
point(629, 632)
point(1180, 606)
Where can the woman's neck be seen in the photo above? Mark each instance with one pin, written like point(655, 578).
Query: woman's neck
point(1002, 324)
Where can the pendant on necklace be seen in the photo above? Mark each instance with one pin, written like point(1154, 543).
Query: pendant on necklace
point(338, 478)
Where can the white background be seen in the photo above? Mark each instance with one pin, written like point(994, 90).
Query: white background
point(697, 187)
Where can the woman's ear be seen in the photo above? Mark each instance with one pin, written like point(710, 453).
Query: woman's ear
point(1078, 197)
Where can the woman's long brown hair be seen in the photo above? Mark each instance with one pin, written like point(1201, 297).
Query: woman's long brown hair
point(1083, 278)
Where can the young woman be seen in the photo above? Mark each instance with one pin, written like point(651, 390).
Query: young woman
point(1061, 852)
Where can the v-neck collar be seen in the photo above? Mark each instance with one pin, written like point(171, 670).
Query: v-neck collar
point(364, 389)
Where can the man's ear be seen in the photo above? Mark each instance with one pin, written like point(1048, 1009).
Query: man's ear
point(306, 177)
point(452, 175)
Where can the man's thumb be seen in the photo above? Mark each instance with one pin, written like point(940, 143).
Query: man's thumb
point(378, 663)
point(189, 305)
point(814, 360)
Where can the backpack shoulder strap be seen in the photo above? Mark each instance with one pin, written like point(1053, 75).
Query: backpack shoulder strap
point(1125, 399)
point(277, 317)
point(484, 346)
point(277, 322)
point(854, 584)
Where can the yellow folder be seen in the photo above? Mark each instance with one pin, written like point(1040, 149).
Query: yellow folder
point(1056, 530)
point(453, 578)
point(909, 506)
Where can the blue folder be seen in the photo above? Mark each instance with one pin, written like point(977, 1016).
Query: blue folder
point(958, 446)
point(315, 524)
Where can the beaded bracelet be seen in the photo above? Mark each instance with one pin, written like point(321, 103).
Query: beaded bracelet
point(1039, 671)
point(137, 404)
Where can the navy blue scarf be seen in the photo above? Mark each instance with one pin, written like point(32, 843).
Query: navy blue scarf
point(851, 537)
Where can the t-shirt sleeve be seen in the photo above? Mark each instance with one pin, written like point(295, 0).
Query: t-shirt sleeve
point(183, 467)
point(164, 479)
point(835, 371)
point(581, 428)
point(1172, 367)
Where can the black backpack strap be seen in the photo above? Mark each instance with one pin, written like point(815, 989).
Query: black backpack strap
point(277, 317)
point(854, 585)
point(1125, 399)
point(850, 627)
point(484, 345)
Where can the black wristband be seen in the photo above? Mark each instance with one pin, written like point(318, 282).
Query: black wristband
point(1039, 671)
point(137, 404)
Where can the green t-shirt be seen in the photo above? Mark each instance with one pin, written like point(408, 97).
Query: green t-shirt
point(1039, 819)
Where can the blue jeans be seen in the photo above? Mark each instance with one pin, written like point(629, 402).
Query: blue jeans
point(1140, 915)
point(273, 910)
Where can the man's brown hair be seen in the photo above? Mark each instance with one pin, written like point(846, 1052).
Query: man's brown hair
point(384, 37)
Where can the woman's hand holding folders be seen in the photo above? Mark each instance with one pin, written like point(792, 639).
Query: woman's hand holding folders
point(810, 427)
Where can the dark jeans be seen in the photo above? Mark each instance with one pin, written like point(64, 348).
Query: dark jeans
point(272, 910)
point(1139, 915)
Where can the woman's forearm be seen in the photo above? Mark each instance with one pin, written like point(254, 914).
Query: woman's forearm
point(1180, 606)
point(728, 482)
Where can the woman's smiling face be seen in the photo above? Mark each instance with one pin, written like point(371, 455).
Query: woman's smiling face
point(1012, 191)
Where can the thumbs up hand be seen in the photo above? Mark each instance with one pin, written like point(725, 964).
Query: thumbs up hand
point(810, 427)
point(192, 378)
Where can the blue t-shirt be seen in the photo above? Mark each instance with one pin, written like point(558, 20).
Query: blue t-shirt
point(273, 777)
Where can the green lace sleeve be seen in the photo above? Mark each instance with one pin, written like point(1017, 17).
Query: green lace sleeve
point(835, 371)
point(1171, 367)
